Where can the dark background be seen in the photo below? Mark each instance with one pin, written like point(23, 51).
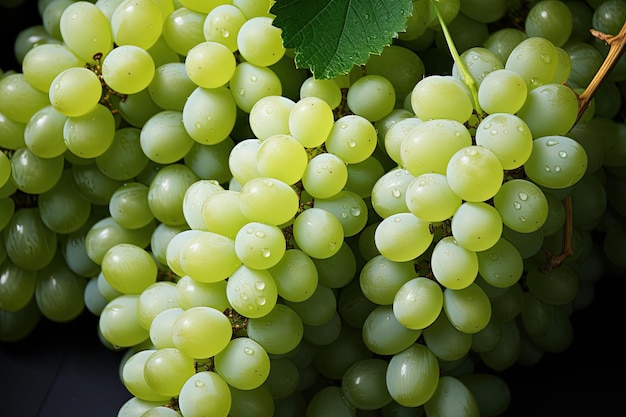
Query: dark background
point(64, 370)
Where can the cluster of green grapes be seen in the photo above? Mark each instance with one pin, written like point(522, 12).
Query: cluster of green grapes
point(265, 243)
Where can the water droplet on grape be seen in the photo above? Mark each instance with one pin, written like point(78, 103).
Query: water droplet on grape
point(471, 152)
point(344, 214)
point(517, 205)
point(446, 252)
point(241, 92)
point(269, 110)
point(557, 168)
point(494, 256)
point(253, 78)
point(552, 142)
point(250, 230)
point(209, 118)
point(266, 252)
point(494, 132)
point(248, 351)
point(496, 275)
point(324, 166)
point(260, 234)
point(259, 285)
point(244, 296)
point(523, 196)
point(199, 384)
point(547, 168)
point(457, 133)
point(198, 125)
point(487, 126)
point(225, 33)
point(396, 193)
point(351, 143)
point(261, 301)
point(268, 182)
point(355, 211)
point(563, 154)
point(332, 245)
point(343, 126)
point(74, 16)
point(546, 58)
point(520, 128)
point(522, 219)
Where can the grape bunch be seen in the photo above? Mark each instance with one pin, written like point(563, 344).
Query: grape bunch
point(262, 242)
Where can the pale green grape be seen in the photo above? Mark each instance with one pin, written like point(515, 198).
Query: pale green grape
point(556, 162)
point(93, 184)
point(549, 109)
point(42, 65)
point(453, 265)
point(134, 380)
point(243, 364)
point(441, 97)
point(381, 278)
point(352, 138)
point(480, 62)
point(163, 54)
point(429, 146)
point(388, 195)
point(474, 173)
point(349, 208)
point(75, 91)
point(268, 200)
point(324, 333)
point(507, 350)
point(17, 288)
point(167, 191)
point(157, 297)
point(295, 275)
point(106, 233)
point(251, 292)
point(349, 349)
point(138, 23)
point(201, 332)
point(327, 90)
point(137, 108)
point(166, 371)
point(33, 174)
point(210, 64)
point(535, 59)
point(363, 175)
point(164, 139)
point(279, 331)
point(487, 338)
point(135, 407)
point(364, 384)
point(62, 208)
point(51, 12)
point(383, 334)
point(259, 245)
point(502, 91)
point(19, 100)
point(194, 199)
point(160, 411)
point(208, 257)
point(556, 287)
point(160, 239)
point(124, 159)
point(86, 30)
point(93, 298)
point(128, 69)
point(242, 160)
point(129, 205)
point(259, 42)
point(491, 392)
point(522, 205)
point(252, 82)
point(318, 233)
point(170, 86)
point(371, 97)
point(270, 116)
point(311, 121)
point(282, 157)
point(329, 400)
point(394, 136)
point(501, 265)
point(402, 237)
point(476, 226)
point(178, 240)
point(418, 315)
point(109, 293)
point(564, 68)
point(551, 20)
point(210, 161)
point(90, 134)
point(16, 325)
point(318, 309)
point(209, 115)
point(222, 24)
point(192, 293)
point(257, 401)
point(221, 213)
point(468, 309)
point(325, 175)
point(28, 242)
point(283, 377)
point(12, 136)
point(508, 305)
point(43, 133)
point(129, 268)
point(451, 399)
point(413, 375)
point(430, 197)
point(507, 136)
point(118, 323)
point(183, 29)
point(445, 341)
point(161, 327)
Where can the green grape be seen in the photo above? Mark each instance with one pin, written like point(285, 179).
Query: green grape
point(413, 376)
point(161, 327)
point(129, 206)
point(136, 109)
point(451, 398)
point(207, 257)
point(86, 30)
point(90, 135)
point(128, 268)
point(556, 287)
point(163, 137)
point(42, 65)
point(445, 341)
point(348, 349)
point(209, 115)
point(109, 293)
point(589, 202)
point(106, 233)
point(395, 134)
point(251, 292)
point(401, 66)
point(210, 64)
point(414, 315)
point(318, 233)
point(507, 136)
point(318, 309)
point(381, 278)
point(551, 20)
point(363, 175)
point(75, 91)
point(481, 11)
point(349, 208)
point(366, 393)
point(259, 245)
point(43, 134)
point(452, 265)
point(259, 42)
point(352, 138)
point(338, 270)
point(183, 29)
point(192, 293)
point(585, 61)
point(474, 173)
point(155, 298)
point(16, 325)
point(257, 402)
point(134, 380)
point(371, 97)
point(352, 305)
point(166, 371)
point(50, 12)
point(243, 364)
point(93, 184)
point(476, 226)
point(254, 8)
point(388, 191)
point(170, 86)
point(480, 62)
point(33, 174)
point(430, 197)
point(295, 275)
point(201, 332)
point(279, 331)
point(128, 69)
point(560, 335)
point(431, 99)
point(329, 400)
point(242, 160)
point(194, 198)
point(487, 338)
point(268, 200)
point(160, 239)
point(17, 286)
point(508, 305)
point(311, 121)
point(429, 146)
point(29, 37)
point(28, 242)
point(325, 175)
point(222, 24)
point(7, 209)
point(383, 334)
point(167, 191)
point(491, 392)
point(324, 333)
point(502, 41)
point(556, 162)
point(283, 378)
point(536, 316)
point(124, 159)
point(402, 237)
point(118, 323)
point(252, 82)
point(609, 16)
point(328, 90)
point(12, 132)
point(160, 411)
point(137, 23)
point(221, 213)
point(134, 407)
point(549, 109)
point(506, 352)
point(210, 161)
point(93, 298)
point(502, 91)
point(535, 59)
point(564, 67)
point(468, 309)
point(501, 265)
point(522, 205)
point(270, 116)
point(282, 157)
point(175, 245)
point(62, 208)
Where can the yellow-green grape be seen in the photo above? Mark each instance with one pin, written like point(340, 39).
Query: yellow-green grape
point(508, 137)
point(166, 371)
point(325, 175)
point(210, 64)
point(192, 293)
point(417, 316)
point(243, 364)
point(318, 233)
point(90, 135)
point(119, 324)
point(311, 121)
point(352, 138)
point(282, 157)
point(260, 245)
point(270, 116)
point(476, 226)
point(259, 42)
point(413, 375)
point(441, 97)
point(137, 22)
point(453, 266)
point(468, 309)
point(209, 114)
point(164, 139)
point(221, 213)
point(327, 90)
point(183, 29)
point(128, 268)
point(134, 380)
point(128, 69)
point(86, 30)
point(430, 197)
point(171, 86)
point(43, 134)
point(502, 91)
point(208, 257)
point(201, 332)
point(19, 100)
point(402, 237)
point(268, 200)
point(42, 64)
point(535, 59)
point(474, 173)
point(154, 299)
point(222, 24)
point(252, 82)
point(75, 91)
point(204, 391)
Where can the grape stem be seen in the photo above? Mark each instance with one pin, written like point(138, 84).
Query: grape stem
point(467, 76)
point(555, 261)
point(617, 45)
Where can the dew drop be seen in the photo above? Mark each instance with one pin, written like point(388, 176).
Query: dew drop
point(397, 219)
point(494, 256)
point(244, 296)
point(523, 196)
point(253, 78)
point(546, 58)
point(260, 234)
point(198, 125)
point(261, 301)
point(471, 152)
point(552, 142)
point(487, 126)
point(522, 219)
point(199, 384)
point(496, 275)
point(266, 252)
point(269, 110)
point(494, 132)
point(225, 33)
point(248, 351)
point(250, 230)
point(557, 168)
point(259, 285)
point(547, 168)
point(351, 143)
point(344, 214)
point(520, 128)
point(57, 86)
point(241, 92)
point(446, 252)
point(457, 133)
point(355, 211)
point(268, 182)
point(343, 126)
point(332, 245)
point(396, 193)
point(517, 205)
point(563, 154)
point(324, 166)
point(74, 16)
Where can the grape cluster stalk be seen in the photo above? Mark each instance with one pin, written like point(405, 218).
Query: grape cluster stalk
point(260, 242)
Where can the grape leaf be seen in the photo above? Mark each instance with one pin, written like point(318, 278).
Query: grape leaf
point(331, 36)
